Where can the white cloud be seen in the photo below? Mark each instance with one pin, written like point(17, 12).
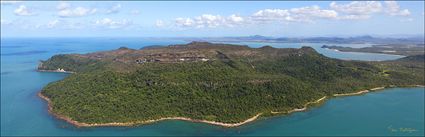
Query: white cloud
point(358, 7)
point(307, 14)
point(355, 10)
point(77, 12)
point(234, 19)
point(66, 10)
point(302, 14)
point(185, 22)
point(22, 10)
point(271, 15)
point(113, 24)
point(159, 23)
point(210, 21)
point(364, 9)
point(114, 9)
point(393, 9)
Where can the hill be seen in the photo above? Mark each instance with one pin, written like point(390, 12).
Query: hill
point(203, 81)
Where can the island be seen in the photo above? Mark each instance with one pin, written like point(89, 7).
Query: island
point(395, 49)
point(365, 39)
point(221, 84)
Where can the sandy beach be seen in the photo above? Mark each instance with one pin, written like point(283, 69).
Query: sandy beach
point(301, 109)
point(360, 92)
point(350, 94)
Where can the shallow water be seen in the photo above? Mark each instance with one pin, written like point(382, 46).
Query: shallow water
point(398, 111)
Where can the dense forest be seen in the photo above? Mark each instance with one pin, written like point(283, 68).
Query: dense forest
point(235, 83)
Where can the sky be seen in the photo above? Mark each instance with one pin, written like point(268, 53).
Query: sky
point(210, 18)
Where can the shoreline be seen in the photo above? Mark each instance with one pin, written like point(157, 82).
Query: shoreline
point(56, 71)
point(81, 124)
point(360, 92)
point(351, 94)
point(301, 109)
point(375, 89)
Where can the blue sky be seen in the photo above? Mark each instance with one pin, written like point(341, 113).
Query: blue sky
point(213, 18)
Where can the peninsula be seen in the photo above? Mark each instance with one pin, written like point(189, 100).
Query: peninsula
point(220, 84)
point(395, 49)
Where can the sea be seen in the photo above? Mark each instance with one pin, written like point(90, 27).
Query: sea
point(393, 111)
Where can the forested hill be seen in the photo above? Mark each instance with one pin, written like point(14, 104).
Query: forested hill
point(125, 59)
point(199, 80)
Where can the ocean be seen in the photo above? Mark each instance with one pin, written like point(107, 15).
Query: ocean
point(395, 111)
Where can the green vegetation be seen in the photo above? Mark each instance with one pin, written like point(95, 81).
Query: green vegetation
point(235, 84)
point(70, 62)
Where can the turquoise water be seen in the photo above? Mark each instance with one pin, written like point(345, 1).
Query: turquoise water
point(397, 111)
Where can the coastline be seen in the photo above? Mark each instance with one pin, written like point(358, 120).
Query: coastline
point(362, 91)
point(81, 124)
point(351, 94)
point(374, 89)
point(57, 71)
point(339, 95)
point(301, 109)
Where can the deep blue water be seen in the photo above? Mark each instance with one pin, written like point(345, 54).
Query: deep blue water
point(397, 111)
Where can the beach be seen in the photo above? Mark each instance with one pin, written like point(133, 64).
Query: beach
point(301, 109)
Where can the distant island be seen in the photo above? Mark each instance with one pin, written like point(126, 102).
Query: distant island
point(366, 39)
point(220, 84)
point(396, 49)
